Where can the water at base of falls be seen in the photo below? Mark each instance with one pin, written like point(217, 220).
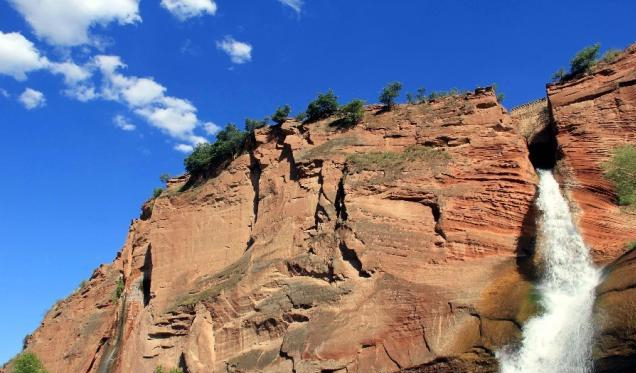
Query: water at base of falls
point(559, 340)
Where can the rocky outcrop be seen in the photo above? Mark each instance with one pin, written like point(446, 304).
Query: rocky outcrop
point(394, 245)
point(593, 115)
point(615, 316)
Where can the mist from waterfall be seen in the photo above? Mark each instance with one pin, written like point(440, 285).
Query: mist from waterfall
point(559, 339)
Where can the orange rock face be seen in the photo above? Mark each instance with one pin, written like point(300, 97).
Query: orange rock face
point(384, 247)
point(593, 115)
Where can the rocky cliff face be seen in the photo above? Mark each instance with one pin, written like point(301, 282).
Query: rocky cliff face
point(593, 115)
point(401, 244)
point(384, 247)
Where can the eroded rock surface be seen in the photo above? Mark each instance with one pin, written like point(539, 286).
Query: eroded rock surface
point(312, 254)
point(593, 115)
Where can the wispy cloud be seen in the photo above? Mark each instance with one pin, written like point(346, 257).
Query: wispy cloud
point(32, 99)
point(296, 5)
point(184, 148)
point(239, 52)
point(186, 9)
point(69, 22)
point(123, 123)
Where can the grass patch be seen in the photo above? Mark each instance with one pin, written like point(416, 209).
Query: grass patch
point(394, 163)
point(621, 171)
point(119, 290)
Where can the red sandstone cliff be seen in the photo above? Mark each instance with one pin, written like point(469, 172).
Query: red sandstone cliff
point(312, 254)
point(593, 115)
point(301, 257)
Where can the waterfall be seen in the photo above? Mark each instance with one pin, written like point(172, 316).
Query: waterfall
point(559, 339)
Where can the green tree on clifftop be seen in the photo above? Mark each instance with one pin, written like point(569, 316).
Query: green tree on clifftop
point(390, 93)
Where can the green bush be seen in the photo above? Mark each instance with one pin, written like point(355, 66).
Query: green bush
point(351, 113)
point(325, 105)
point(390, 92)
point(301, 117)
point(610, 55)
point(230, 142)
point(500, 95)
point(28, 363)
point(559, 75)
point(156, 192)
point(164, 178)
point(119, 290)
point(281, 114)
point(621, 170)
point(583, 62)
point(254, 124)
point(418, 97)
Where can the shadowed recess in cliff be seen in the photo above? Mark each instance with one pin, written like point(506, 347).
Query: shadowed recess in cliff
point(147, 276)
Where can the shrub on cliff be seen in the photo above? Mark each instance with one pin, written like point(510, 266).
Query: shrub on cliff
point(254, 124)
point(621, 170)
point(281, 114)
point(390, 92)
point(418, 97)
point(230, 142)
point(583, 62)
point(610, 55)
point(28, 363)
point(351, 113)
point(325, 105)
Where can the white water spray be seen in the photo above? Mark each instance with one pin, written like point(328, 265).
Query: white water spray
point(559, 340)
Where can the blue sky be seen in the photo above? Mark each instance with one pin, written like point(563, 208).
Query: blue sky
point(96, 103)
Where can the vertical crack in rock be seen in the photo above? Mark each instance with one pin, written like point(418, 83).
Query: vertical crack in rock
point(255, 178)
point(147, 276)
point(391, 357)
point(183, 364)
point(341, 209)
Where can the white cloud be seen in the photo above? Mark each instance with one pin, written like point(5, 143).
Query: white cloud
point(238, 51)
point(18, 56)
point(211, 128)
point(143, 91)
point(123, 123)
point(4, 93)
point(68, 22)
point(174, 116)
point(184, 148)
point(32, 99)
point(296, 5)
point(73, 74)
point(186, 9)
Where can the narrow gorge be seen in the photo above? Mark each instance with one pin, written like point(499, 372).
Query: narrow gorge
point(423, 239)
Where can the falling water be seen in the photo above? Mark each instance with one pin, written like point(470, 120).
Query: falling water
point(559, 340)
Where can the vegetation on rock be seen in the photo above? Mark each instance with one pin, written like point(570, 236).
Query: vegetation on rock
point(351, 113)
point(230, 142)
point(584, 61)
point(390, 92)
point(325, 105)
point(161, 369)
point(119, 290)
point(28, 363)
point(418, 97)
point(394, 163)
point(621, 171)
point(281, 114)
